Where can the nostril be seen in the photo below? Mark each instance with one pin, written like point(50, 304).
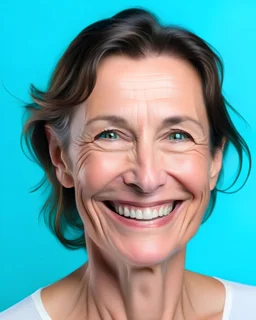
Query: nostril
point(145, 180)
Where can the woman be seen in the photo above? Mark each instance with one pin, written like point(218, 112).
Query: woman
point(133, 156)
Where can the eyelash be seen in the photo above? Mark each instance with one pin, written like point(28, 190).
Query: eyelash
point(173, 131)
point(106, 131)
point(181, 131)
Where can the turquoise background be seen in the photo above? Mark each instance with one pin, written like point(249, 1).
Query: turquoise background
point(33, 36)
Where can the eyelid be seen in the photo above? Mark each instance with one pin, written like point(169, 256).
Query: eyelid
point(108, 130)
point(115, 130)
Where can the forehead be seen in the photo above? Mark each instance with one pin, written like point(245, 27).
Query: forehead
point(152, 85)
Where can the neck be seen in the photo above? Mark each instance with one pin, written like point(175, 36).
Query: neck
point(115, 290)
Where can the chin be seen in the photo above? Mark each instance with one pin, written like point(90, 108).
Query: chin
point(147, 253)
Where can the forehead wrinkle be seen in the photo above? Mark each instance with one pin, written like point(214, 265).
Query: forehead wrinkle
point(145, 89)
point(142, 117)
point(148, 94)
point(142, 82)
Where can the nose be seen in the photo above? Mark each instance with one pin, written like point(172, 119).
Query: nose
point(147, 173)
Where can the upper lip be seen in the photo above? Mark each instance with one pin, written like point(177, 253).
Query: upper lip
point(143, 204)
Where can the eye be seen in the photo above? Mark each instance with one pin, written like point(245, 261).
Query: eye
point(108, 135)
point(179, 136)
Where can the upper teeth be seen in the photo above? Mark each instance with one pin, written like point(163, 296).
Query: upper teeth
point(145, 213)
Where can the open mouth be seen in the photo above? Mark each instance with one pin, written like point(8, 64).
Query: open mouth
point(142, 214)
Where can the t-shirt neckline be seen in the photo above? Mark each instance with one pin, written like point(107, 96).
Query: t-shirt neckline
point(228, 299)
point(36, 296)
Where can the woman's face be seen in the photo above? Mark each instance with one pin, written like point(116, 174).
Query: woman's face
point(140, 147)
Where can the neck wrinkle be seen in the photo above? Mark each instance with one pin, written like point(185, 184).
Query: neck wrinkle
point(122, 292)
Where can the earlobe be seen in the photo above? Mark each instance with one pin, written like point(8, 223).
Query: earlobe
point(57, 157)
point(64, 178)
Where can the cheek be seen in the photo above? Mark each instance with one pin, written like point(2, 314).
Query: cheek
point(98, 170)
point(192, 172)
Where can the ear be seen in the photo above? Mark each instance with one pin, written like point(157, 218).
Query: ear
point(216, 166)
point(57, 157)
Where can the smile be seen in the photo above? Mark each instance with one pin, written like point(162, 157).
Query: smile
point(141, 213)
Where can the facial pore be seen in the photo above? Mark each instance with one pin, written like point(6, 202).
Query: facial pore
point(142, 137)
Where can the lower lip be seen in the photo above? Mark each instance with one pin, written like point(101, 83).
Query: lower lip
point(159, 222)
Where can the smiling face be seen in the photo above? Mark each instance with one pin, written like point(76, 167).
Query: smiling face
point(140, 158)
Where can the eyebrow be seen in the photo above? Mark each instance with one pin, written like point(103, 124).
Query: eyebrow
point(180, 119)
point(111, 119)
point(170, 121)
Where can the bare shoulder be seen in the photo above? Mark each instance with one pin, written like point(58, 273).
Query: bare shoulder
point(60, 293)
point(208, 295)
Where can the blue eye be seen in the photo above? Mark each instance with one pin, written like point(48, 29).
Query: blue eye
point(179, 136)
point(108, 134)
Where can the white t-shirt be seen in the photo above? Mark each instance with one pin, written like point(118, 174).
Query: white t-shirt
point(240, 304)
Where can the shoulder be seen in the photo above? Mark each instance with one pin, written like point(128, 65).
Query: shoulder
point(239, 292)
point(25, 309)
point(239, 288)
point(241, 300)
point(223, 298)
point(61, 297)
point(207, 294)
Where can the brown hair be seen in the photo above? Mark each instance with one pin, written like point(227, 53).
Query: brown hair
point(135, 33)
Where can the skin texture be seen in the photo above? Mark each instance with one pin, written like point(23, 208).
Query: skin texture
point(144, 159)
